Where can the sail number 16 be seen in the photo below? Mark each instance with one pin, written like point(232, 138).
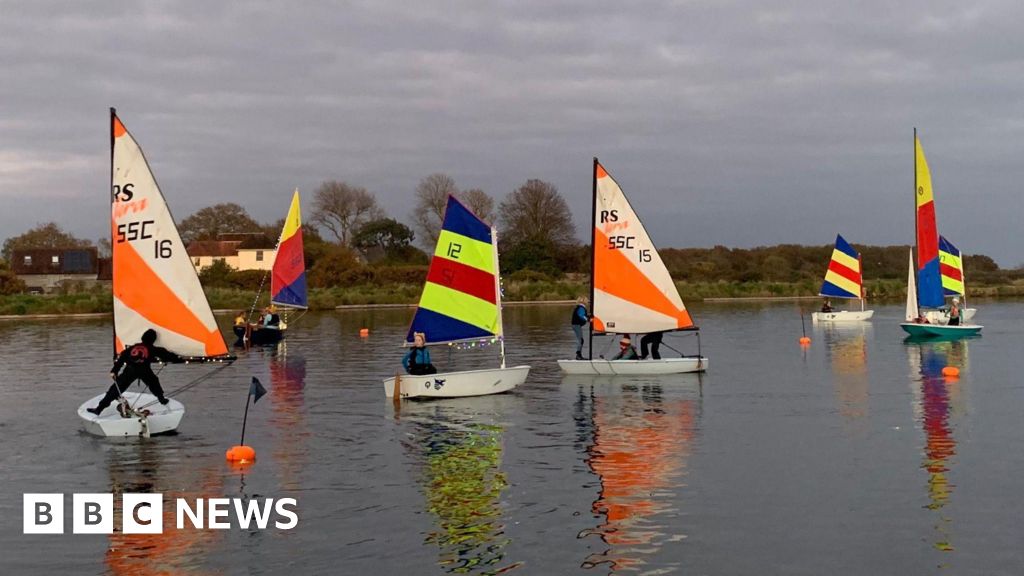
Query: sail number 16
point(139, 230)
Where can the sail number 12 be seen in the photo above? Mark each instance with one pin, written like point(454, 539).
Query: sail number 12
point(139, 230)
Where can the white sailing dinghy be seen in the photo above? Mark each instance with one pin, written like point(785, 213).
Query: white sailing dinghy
point(461, 304)
point(631, 290)
point(843, 279)
point(154, 286)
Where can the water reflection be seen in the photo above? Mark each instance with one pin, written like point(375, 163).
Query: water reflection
point(642, 436)
point(145, 466)
point(937, 399)
point(460, 465)
point(847, 351)
point(287, 396)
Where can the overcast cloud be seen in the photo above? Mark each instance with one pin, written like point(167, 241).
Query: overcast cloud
point(739, 123)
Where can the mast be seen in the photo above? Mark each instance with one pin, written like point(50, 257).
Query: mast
point(110, 191)
point(497, 294)
point(916, 247)
point(860, 262)
point(593, 263)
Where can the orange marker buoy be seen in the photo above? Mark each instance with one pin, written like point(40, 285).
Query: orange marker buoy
point(364, 332)
point(804, 340)
point(951, 372)
point(241, 454)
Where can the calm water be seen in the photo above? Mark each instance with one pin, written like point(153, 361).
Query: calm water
point(851, 457)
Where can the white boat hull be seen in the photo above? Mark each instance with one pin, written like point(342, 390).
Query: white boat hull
point(634, 367)
point(160, 420)
point(941, 316)
point(842, 316)
point(458, 384)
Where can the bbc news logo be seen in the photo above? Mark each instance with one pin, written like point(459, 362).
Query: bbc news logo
point(144, 513)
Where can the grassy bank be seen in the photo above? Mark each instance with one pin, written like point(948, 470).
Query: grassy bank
point(99, 301)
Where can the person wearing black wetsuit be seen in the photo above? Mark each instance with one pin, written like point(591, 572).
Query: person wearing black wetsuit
point(136, 361)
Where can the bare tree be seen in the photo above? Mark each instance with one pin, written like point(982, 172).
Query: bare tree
point(342, 208)
point(479, 202)
point(431, 198)
point(537, 213)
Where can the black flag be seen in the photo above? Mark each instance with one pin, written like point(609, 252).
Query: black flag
point(256, 390)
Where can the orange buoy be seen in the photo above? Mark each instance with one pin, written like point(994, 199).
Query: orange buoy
point(951, 372)
point(805, 340)
point(364, 332)
point(241, 454)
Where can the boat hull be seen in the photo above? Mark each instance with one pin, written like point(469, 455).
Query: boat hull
point(939, 330)
point(843, 316)
point(458, 384)
point(161, 419)
point(941, 316)
point(265, 336)
point(601, 367)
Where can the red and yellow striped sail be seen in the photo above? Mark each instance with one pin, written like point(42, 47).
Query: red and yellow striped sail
point(633, 291)
point(155, 285)
point(460, 300)
point(843, 279)
point(288, 277)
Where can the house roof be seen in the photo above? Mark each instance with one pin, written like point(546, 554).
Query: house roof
point(215, 248)
point(257, 242)
point(41, 261)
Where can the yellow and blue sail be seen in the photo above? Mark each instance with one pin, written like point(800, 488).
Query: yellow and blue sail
point(929, 281)
point(460, 300)
point(951, 266)
point(843, 279)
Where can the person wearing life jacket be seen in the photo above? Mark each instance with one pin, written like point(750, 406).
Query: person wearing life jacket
point(826, 306)
point(417, 359)
point(136, 361)
point(626, 350)
point(579, 320)
point(240, 326)
point(954, 313)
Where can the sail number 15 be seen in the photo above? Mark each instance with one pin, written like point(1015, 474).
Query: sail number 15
point(139, 230)
point(627, 243)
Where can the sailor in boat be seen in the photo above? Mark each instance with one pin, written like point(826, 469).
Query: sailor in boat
point(626, 350)
point(653, 340)
point(826, 306)
point(136, 362)
point(579, 320)
point(240, 326)
point(417, 360)
point(954, 313)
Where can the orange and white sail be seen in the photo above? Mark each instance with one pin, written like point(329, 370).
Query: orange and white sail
point(155, 284)
point(633, 291)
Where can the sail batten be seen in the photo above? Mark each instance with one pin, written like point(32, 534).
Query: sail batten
point(461, 297)
point(288, 275)
point(633, 290)
point(844, 277)
point(154, 282)
point(929, 290)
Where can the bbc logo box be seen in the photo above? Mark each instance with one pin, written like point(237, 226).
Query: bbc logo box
point(93, 513)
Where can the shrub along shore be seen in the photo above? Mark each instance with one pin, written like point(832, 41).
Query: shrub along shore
point(530, 289)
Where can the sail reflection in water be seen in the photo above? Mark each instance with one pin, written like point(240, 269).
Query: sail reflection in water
point(847, 350)
point(936, 401)
point(146, 467)
point(642, 439)
point(462, 480)
point(288, 417)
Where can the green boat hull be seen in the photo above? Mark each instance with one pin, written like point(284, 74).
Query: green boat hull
point(939, 331)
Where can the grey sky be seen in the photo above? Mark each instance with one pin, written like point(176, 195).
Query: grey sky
point(735, 123)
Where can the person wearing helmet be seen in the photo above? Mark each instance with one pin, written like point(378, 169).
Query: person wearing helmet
point(136, 362)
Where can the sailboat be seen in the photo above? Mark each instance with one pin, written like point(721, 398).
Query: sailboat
point(843, 279)
point(954, 282)
point(631, 289)
point(461, 305)
point(154, 286)
point(928, 293)
point(287, 277)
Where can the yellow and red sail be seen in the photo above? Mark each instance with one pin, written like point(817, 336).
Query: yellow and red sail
point(929, 283)
point(843, 279)
point(288, 277)
point(633, 290)
point(154, 282)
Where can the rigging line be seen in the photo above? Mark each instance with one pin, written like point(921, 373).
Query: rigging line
point(191, 384)
point(256, 300)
